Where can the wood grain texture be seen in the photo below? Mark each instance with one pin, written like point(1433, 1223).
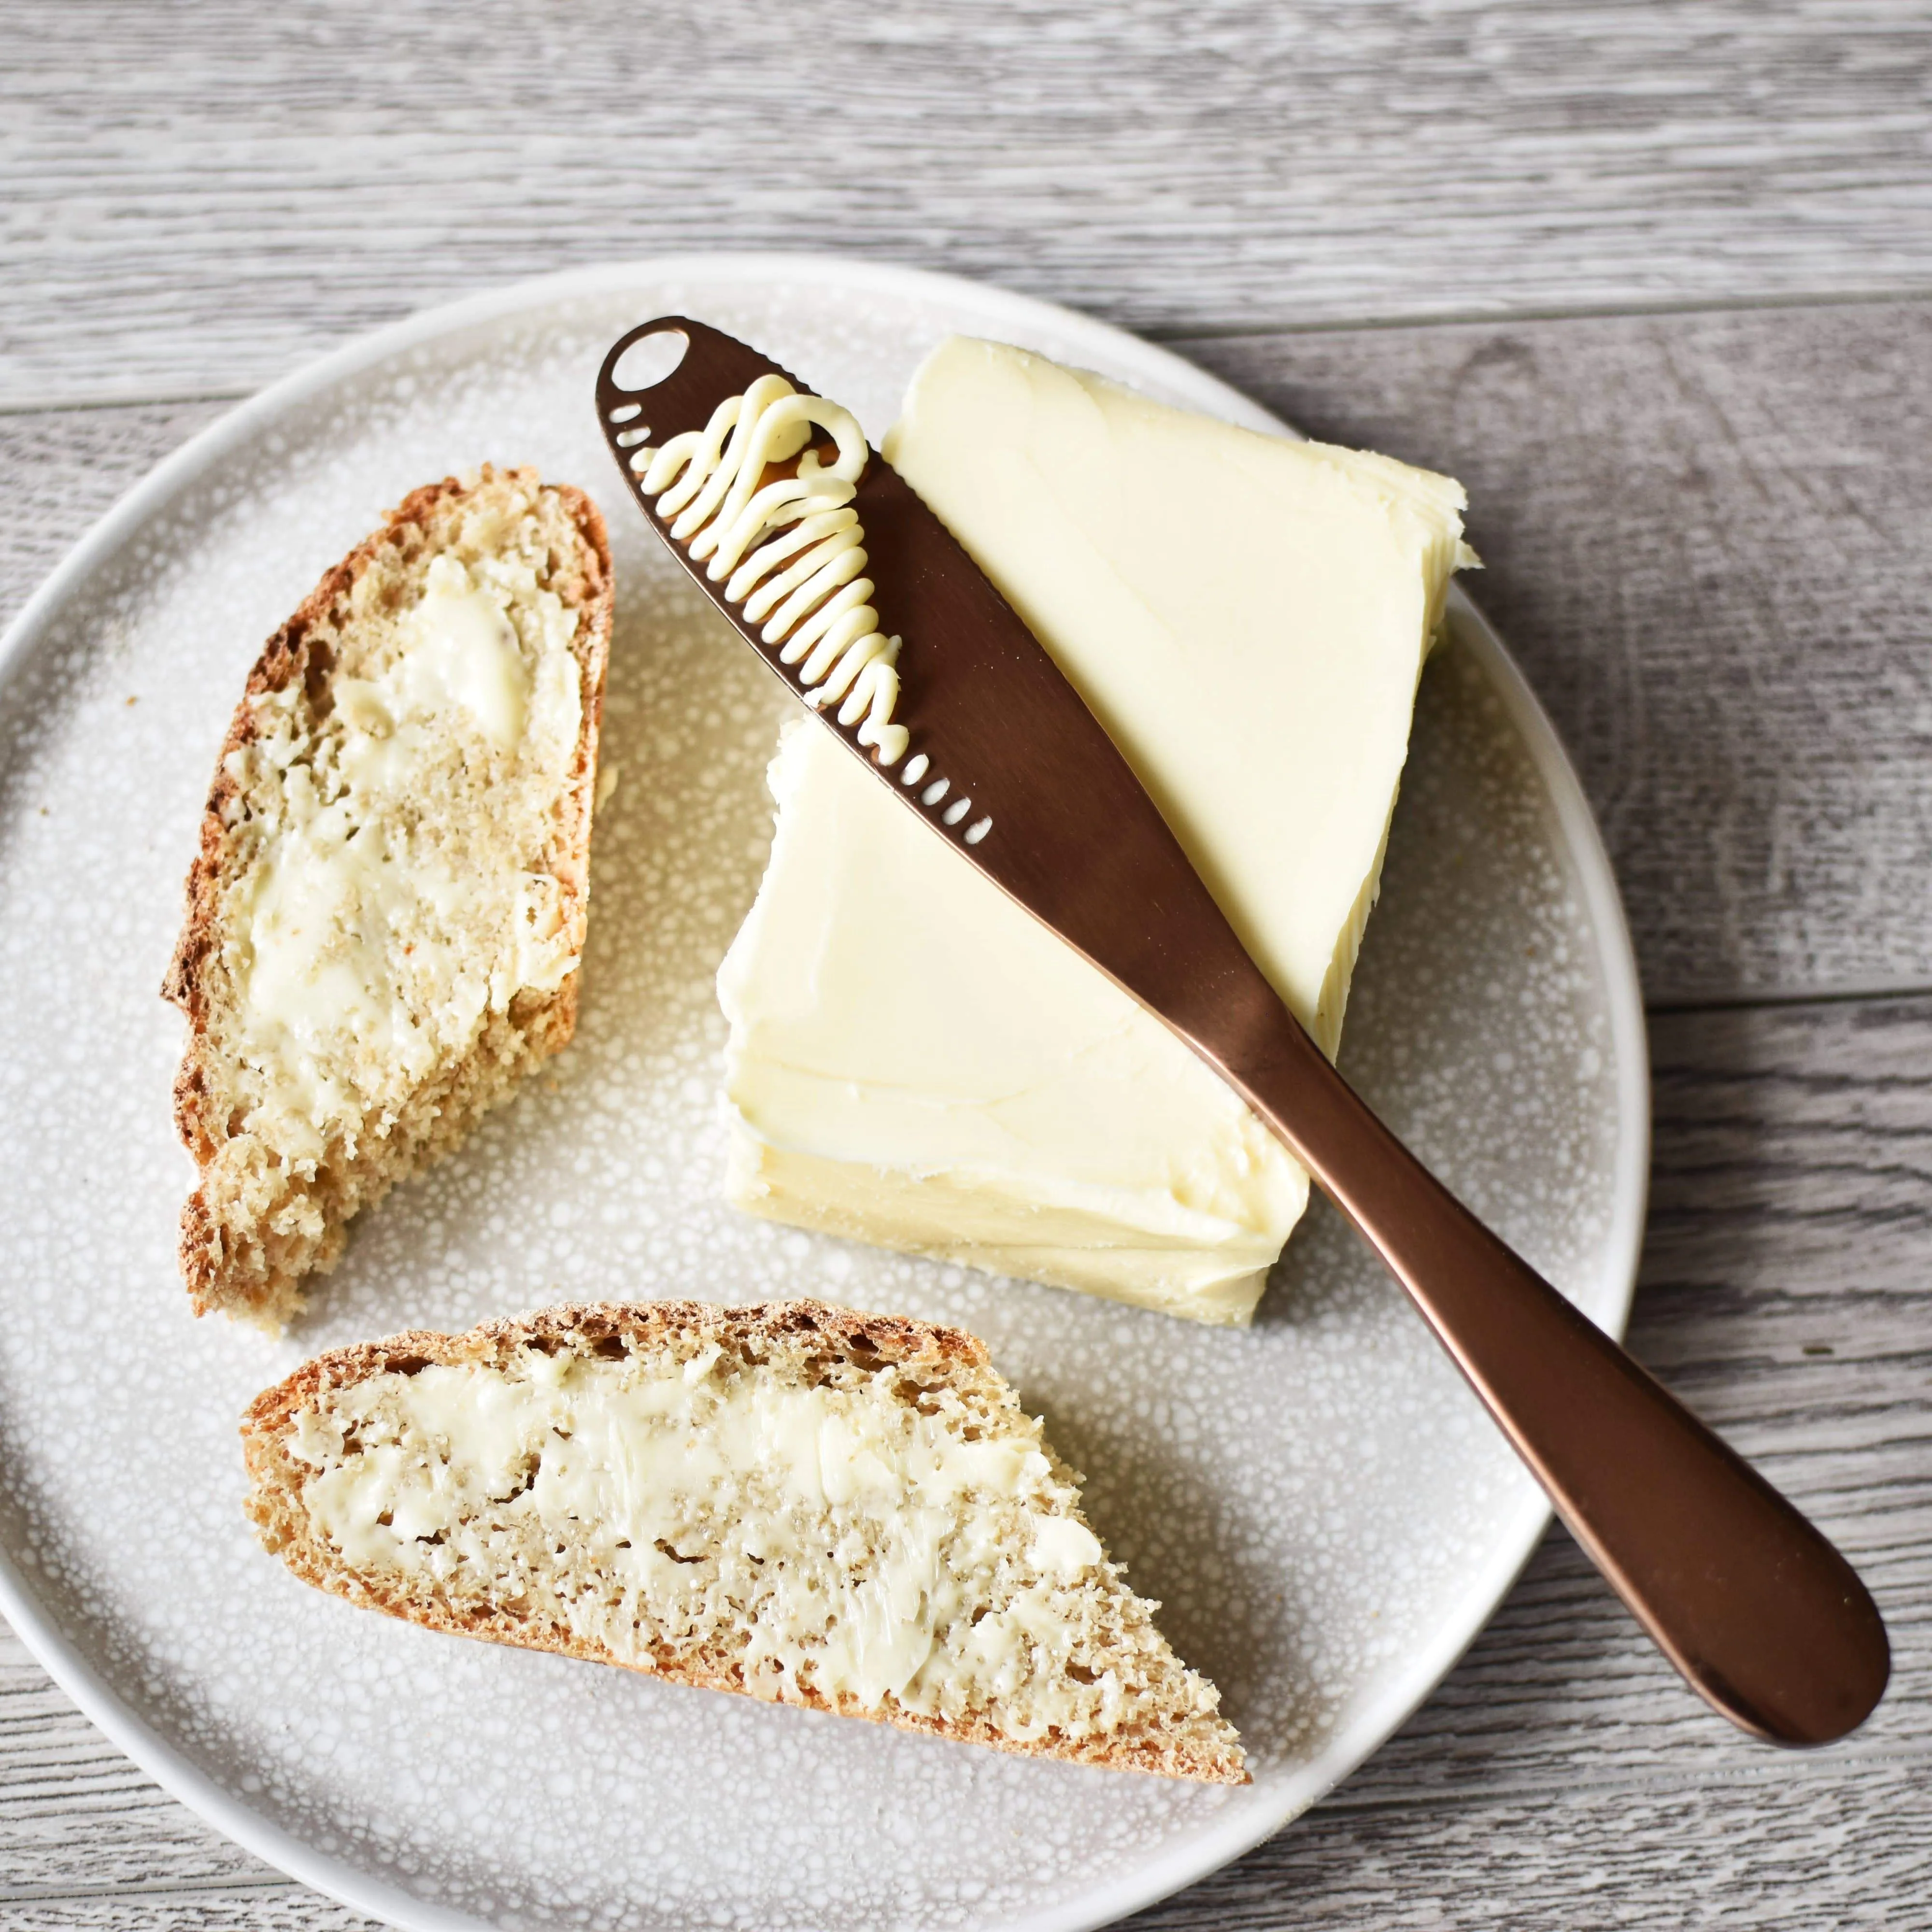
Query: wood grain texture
point(1785, 1294)
point(1790, 1207)
point(271, 1907)
point(60, 470)
point(1560, 1767)
point(74, 1812)
point(1814, 1853)
point(195, 199)
point(1707, 540)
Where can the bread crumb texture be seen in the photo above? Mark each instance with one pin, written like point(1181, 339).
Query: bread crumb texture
point(386, 915)
point(849, 1513)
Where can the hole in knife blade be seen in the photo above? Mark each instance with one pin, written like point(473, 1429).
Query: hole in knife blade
point(935, 791)
point(957, 810)
point(977, 830)
point(624, 412)
point(915, 769)
point(626, 438)
point(650, 359)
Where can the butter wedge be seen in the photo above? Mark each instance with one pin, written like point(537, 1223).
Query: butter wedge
point(913, 1060)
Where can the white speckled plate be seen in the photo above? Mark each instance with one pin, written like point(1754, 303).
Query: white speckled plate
point(1318, 1502)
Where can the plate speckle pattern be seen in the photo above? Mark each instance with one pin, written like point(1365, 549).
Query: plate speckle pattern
point(1317, 1503)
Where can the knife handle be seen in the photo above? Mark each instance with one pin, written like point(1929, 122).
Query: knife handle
point(1763, 1617)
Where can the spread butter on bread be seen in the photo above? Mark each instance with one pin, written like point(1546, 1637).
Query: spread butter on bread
point(846, 1512)
point(387, 912)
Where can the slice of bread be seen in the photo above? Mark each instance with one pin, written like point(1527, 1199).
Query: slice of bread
point(848, 1512)
point(385, 917)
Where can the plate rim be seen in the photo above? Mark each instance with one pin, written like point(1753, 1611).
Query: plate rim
point(1208, 1849)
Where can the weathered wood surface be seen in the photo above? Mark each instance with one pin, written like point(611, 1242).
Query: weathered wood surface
point(1709, 542)
point(1706, 540)
point(1559, 1777)
point(1790, 1203)
point(195, 198)
point(1704, 536)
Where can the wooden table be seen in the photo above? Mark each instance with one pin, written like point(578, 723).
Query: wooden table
point(1651, 279)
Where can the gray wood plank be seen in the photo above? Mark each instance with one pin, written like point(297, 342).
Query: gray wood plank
point(1560, 1766)
point(60, 469)
point(87, 1837)
point(197, 198)
point(1785, 1294)
point(1708, 539)
point(1709, 542)
point(1706, 535)
point(75, 1814)
point(277, 1906)
point(1814, 1851)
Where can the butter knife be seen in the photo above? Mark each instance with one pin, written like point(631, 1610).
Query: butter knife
point(1763, 1618)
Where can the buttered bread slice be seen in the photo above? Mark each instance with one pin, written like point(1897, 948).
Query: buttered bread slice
point(847, 1512)
point(913, 1059)
point(386, 914)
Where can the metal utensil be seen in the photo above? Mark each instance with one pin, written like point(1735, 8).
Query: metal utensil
point(1763, 1617)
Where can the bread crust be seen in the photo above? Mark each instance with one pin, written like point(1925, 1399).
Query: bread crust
point(274, 1503)
point(543, 1024)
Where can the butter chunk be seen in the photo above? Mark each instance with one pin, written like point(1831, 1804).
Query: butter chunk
point(913, 1060)
point(916, 1061)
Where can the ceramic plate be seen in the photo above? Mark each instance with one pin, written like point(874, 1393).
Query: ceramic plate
point(1317, 1503)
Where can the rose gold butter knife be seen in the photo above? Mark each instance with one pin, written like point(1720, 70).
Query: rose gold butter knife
point(1000, 756)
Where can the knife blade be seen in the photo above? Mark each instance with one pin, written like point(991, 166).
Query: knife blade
point(1763, 1618)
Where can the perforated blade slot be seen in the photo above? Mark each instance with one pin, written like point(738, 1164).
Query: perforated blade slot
point(797, 594)
point(1002, 757)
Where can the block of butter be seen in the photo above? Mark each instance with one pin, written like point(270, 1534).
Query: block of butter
point(913, 1059)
